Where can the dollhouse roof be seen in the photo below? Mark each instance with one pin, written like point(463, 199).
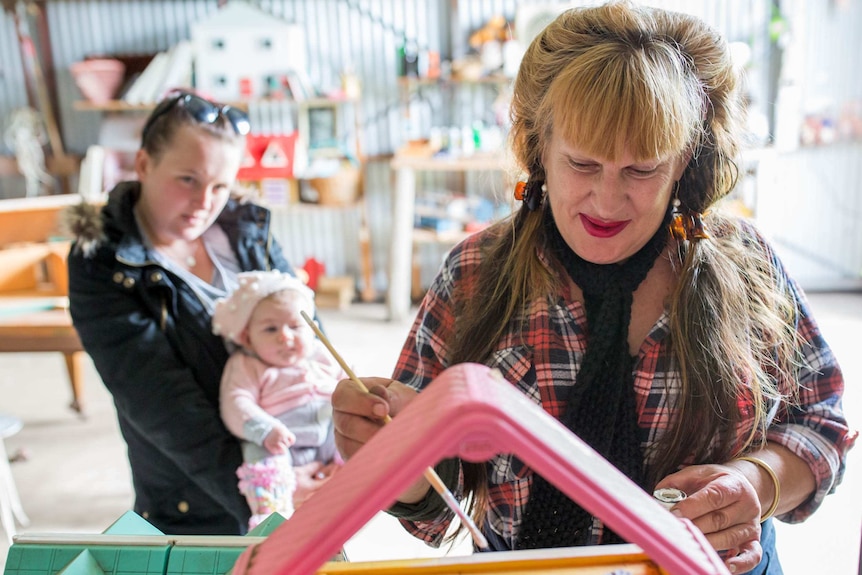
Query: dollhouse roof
point(132, 546)
point(240, 15)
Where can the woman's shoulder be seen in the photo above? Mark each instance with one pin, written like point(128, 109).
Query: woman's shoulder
point(244, 201)
point(469, 251)
point(755, 254)
point(243, 214)
point(462, 267)
point(95, 225)
point(746, 233)
point(725, 223)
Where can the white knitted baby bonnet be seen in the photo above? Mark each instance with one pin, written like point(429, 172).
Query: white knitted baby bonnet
point(232, 312)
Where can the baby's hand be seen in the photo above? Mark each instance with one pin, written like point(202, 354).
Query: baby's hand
point(279, 440)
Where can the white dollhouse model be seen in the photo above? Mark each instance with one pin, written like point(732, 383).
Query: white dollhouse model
point(242, 52)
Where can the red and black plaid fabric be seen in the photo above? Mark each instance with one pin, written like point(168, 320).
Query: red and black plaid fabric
point(543, 360)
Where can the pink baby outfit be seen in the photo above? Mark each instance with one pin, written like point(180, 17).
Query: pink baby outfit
point(254, 399)
point(254, 395)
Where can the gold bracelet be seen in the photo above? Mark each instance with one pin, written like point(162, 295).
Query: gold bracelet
point(776, 484)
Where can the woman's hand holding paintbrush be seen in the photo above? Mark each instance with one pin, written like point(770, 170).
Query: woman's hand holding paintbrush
point(429, 473)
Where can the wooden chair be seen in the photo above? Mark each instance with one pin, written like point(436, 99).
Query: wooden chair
point(34, 284)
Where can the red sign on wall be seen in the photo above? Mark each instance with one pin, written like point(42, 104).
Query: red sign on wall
point(268, 157)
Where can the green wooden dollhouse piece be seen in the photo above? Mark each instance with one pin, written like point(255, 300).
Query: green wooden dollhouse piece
point(130, 546)
point(216, 555)
point(83, 564)
point(268, 525)
point(130, 523)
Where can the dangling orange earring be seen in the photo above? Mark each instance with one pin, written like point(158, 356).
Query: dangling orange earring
point(677, 226)
point(697, 230)
point(688, 225)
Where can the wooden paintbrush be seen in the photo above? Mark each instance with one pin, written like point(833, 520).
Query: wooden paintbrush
point(429, 472)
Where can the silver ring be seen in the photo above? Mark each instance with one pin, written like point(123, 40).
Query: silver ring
point(669, 496)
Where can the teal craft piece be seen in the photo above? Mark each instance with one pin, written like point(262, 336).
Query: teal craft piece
point(203, 560)
point(84, 564)
point(268, 525)
point(130, 523)
point(216, 555)
point(129, 546)
point(85, 558)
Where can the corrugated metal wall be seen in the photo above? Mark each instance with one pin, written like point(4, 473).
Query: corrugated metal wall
point(12, 92)
point(363, 35)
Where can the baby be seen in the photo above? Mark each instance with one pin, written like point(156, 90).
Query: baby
point(276, 387)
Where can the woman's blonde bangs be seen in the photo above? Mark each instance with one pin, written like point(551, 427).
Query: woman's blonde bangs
point(616, 102)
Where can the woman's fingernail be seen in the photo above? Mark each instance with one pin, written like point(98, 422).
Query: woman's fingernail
point(379, 410)
point(676, 512)
point(732, 568)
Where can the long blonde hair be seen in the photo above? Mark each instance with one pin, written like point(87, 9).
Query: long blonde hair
point(656, 83)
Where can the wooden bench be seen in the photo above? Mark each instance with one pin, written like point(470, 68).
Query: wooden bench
point(34, 285)
point(45, 330)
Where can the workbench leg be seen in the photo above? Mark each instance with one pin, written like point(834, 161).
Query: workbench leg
point(75, 368)
point(366, 266)
point(401, 248)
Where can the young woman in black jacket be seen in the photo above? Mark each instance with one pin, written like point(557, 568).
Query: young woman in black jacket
point(144, 273)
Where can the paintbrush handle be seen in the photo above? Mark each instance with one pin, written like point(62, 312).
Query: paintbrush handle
point(429, 473)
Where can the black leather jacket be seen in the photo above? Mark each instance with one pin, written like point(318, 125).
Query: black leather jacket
point(150, 339)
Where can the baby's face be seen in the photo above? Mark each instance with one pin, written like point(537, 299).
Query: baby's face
point(276, 331)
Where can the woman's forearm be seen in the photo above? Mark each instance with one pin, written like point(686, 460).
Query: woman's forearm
point(795, 479)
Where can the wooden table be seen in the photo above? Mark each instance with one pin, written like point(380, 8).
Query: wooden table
point(45, 330)
point(34, 284)
point(406, 165)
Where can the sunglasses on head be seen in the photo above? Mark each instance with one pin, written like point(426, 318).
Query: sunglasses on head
point(202, 111)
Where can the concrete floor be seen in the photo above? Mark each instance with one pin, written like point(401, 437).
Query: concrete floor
point(76, 479)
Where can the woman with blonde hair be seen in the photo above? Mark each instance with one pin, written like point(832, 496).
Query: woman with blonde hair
point(622, 299)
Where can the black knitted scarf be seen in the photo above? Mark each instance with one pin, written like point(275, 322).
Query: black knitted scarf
point(601, 405)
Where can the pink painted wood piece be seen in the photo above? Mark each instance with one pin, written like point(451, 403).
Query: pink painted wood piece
point(471, 412)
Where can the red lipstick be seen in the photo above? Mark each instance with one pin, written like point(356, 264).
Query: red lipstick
point(602, 229)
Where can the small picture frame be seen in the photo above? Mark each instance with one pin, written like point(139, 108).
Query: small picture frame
point(320, 127)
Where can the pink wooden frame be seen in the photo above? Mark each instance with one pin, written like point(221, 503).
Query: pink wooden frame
point(470, 412)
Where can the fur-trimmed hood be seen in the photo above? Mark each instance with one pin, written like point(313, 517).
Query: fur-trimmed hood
point(94, 226)
point(84, 223)
point(90, 224)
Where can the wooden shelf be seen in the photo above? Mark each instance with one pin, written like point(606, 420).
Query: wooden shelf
point(417, 158)
point(409, 81)
point(122, 106)
point(426, 236)
point(111, 106)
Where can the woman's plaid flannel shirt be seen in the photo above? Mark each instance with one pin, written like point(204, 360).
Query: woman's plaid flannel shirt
point(543, 362)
